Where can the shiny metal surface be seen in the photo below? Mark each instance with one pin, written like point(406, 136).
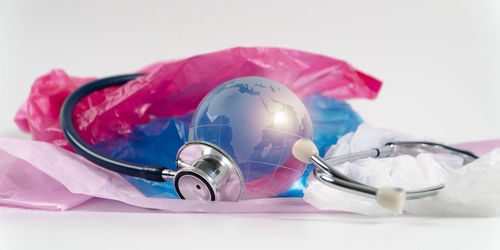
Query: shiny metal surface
point(348, 185)
point(354, 156)
point(368, 191)
point(168, 174)
point(326, 168)
point(416, 147)
point(425, 192)
point(219, 177)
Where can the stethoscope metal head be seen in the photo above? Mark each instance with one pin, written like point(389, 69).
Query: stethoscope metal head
point(206, 172)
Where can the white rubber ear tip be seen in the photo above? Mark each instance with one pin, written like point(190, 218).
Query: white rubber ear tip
point(392, 198)
point(304, 149)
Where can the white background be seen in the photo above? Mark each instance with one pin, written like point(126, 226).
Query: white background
point(439, 61)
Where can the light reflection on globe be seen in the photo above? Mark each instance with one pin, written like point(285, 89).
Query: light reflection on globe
point(256, 121)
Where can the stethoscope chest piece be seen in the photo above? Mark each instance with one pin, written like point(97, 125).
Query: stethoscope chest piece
point(206, 172)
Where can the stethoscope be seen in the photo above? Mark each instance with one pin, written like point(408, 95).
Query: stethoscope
point(213, 175)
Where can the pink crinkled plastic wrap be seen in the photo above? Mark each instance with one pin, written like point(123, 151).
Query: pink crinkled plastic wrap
point(176, 87)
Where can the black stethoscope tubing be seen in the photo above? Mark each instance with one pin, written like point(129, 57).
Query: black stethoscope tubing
point(148, 172)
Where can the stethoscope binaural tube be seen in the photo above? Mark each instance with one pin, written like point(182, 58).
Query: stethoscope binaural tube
point(148, 172)
point(391, 198)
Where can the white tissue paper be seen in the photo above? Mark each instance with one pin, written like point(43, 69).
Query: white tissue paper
point(471, 190)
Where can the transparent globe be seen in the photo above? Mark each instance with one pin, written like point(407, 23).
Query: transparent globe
point(256, 121)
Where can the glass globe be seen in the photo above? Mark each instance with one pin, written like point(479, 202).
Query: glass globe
point(256, 121)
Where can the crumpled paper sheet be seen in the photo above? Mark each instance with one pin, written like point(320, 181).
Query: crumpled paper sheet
point(471, 190)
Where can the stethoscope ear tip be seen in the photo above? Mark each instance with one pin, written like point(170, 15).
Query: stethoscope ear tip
point(304, 149)
point(392, 198)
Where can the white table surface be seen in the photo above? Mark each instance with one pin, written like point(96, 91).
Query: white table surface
point(439, 60)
